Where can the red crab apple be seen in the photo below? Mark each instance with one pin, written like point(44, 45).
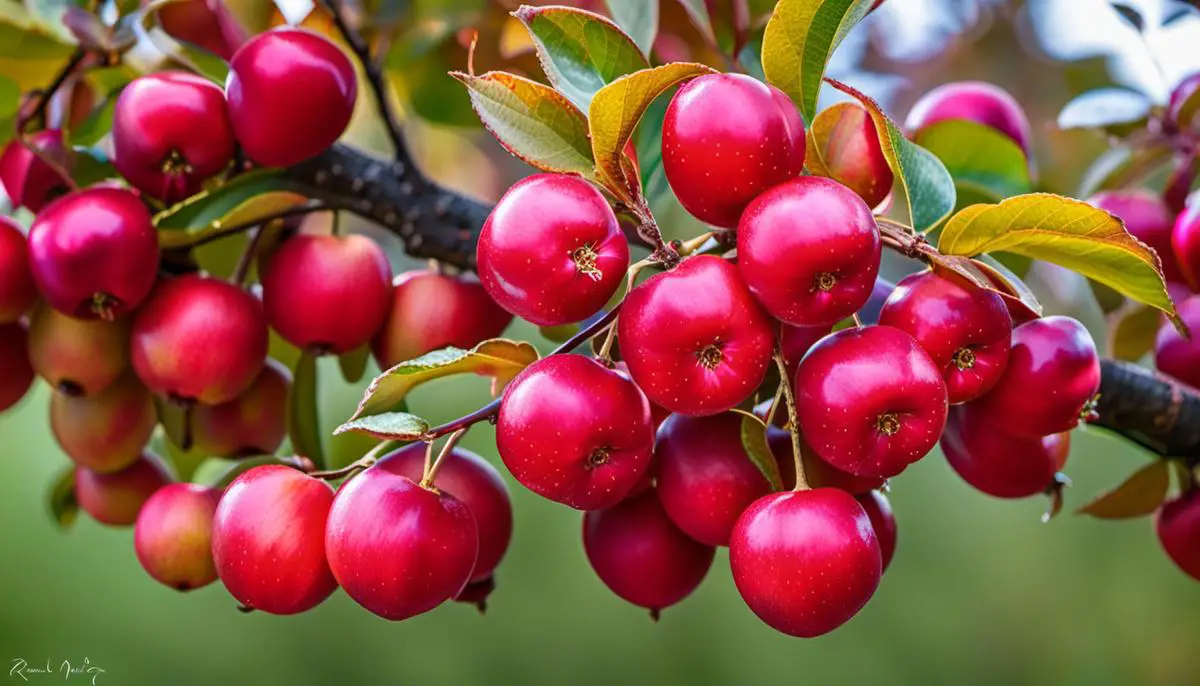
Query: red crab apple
point(173, 536)
point(478, 485)
point(966, 330)
point(705, 477)
point(397, 548)
point(1146, 217)
point(639, 553)
point(870, 400)
point(1052, 376)
point(116, 499)
point(575, 432)
point(77, 356)
point(199, 339)
point(805, 561)
point(795, 341)
point(974, 101)
point(206, 23)
point(18, 291)
point(16, 376)
point(997, 462)
point(430, 310)
point(551, 251)
point(94, 253)
point(695, 339)
point(170, 133)
point(818, 472)
point(1185, 241)
point(1177, 523)
point(879, 511)
point(327, 293)
point(27, 179)
point(291, 93)
point(847, 146)
point(253, 423)
point(1176, 355)
point(809, 250)
point(269, 540)
point(726, 139)
point(105, 432)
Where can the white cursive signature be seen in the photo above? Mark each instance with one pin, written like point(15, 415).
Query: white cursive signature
point(21, 668)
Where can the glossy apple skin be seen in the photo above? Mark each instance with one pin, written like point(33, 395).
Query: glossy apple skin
point(327, 293)
point(173, 536)
point(1185, 242)
point(1176, 355)
point(116, 499)
point(809, 250)
point(575, 432)
point(879, 511)
point(1053, 373)
point(274, 78)
point(641, 555)
point(805, 561)
point(269, 540)
point(474, 482)
point(253, 423)
point(671, 323)
point(27, 179)
point(77, 356)
point(795, 342)
point(974, 101)
point(529, 254)
point(705, 477)
point(98, 242)
point(1146, 216)
point(966, 330)
point(16, 375)
point(397, 549)
point(997, 462)
point(18, 291)
point(206, 23)
point(430, 311)
point(851, 152)
point(818, 472)
point(171, 132)
point(726, 139)
point(1177, 523)
point(856, 386)
point(105, 432)
point(199, 339)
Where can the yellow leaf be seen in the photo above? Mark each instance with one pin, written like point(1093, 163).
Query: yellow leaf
point(1067, 232)
point(1133, 331)
point(248, 212)
point(1137, 496)
point(615, 112)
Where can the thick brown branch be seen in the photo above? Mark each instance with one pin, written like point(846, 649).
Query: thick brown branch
point(1153, 410)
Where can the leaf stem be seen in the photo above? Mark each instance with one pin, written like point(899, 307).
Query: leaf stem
point(432, 467)
point(365, 462)
point(793, 421)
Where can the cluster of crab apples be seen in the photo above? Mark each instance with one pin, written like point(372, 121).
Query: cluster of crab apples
point(645, 437)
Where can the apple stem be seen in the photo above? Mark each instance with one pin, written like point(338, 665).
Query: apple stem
point(793, 421)
point(688, 247)
point(775, 403)
point(247, 257)
point(432, 466)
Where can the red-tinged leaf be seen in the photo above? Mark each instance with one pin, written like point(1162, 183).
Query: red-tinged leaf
point(1137, 496)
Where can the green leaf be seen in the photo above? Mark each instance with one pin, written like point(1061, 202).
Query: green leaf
point(800, 37)
point(1067, 232)
point(697, 12)
point(207, 211)
point(581, 52)
point(10, 101)
point(1123, 166)
point(532, 121)
point(1116, 110)
point(219, 472)
point(194, 57)
point(927, 183)
point(498, 358)
point(91, 165)
point(354, 364)
point(64, 508)
point(978, 157)
point(395, 426)
point(754, 440)
point(1133, 331)
point(303, 423)
point(559, 334)
point(175, 423)
point(1137, 496)
point(31, 52)
point(639, 19)
point(614, 114)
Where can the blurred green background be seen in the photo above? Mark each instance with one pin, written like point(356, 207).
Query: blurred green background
point(980, 591)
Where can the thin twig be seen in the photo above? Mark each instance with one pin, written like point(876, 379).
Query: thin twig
point(431, 469)
point(365, 462)
point(374, 77)
point(793, 421)
point(247, 257)
point(39, 112)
